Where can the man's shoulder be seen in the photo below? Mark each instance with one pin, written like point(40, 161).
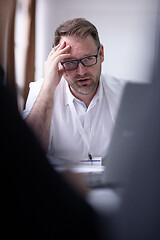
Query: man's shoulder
point(113, 88)
point(36, 84)
point(112, 83)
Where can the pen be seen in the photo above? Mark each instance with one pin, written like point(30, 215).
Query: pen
point(90, 158)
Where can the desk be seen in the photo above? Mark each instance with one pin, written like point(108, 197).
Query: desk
point(103, 198)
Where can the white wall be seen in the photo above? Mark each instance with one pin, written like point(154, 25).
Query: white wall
point(126, 29)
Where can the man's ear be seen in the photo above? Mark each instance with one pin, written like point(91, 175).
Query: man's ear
point(101, 53)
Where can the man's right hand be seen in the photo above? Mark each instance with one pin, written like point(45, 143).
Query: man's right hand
point(52, 69)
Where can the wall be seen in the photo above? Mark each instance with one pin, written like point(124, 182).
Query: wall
point(126, 29)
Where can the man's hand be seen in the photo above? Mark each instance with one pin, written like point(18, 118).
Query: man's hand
point(52, 69)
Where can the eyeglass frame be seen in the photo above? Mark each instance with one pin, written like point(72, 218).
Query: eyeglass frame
point(80, 61)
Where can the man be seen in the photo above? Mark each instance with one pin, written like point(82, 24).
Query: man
point(72, 110)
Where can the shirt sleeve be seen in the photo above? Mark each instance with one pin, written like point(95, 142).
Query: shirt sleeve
point(34, 89)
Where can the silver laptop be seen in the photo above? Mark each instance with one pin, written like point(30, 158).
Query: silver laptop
point(125, 139)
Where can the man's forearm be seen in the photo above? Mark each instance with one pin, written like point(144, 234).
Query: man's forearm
point(39, 119)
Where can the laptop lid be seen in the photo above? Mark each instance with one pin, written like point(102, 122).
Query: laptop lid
point(139, 214)
point(128, 133)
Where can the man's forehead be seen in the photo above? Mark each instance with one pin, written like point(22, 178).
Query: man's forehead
point(83, 47)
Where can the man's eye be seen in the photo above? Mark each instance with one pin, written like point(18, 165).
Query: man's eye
point(88, 58)
point(71, 63)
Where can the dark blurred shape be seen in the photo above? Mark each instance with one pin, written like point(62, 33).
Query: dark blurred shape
point(139, 215)
point(36, 202)
point(1, 75)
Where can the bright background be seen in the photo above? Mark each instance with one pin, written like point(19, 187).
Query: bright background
point(126, 29)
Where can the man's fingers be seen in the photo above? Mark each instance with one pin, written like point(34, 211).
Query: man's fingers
point(59, 46)
point(61, 52)
point(56, 48)
point(61, 57)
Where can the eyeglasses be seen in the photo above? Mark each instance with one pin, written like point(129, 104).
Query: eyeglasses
point(86, 61)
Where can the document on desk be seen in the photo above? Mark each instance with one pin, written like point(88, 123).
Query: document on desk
point(88, 169)
point(82, 169)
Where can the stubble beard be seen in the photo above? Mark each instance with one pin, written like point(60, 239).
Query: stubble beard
point(85, 89)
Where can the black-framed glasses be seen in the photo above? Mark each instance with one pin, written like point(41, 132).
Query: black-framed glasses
point(86, 61)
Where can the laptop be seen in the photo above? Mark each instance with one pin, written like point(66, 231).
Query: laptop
point(134, 163)
point(131, 117)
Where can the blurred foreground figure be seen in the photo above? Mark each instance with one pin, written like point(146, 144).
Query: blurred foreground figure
point(36, 202)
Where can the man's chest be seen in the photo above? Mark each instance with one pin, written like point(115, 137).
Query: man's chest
point(78, 131)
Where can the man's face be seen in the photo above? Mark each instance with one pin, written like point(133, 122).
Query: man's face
point(83, 80)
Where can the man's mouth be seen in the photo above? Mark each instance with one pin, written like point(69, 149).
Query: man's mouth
point(83, 80)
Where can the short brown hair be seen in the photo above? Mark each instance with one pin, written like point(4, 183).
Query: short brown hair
point(78, 27)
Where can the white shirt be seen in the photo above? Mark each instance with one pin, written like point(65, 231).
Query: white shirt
point(75, 129)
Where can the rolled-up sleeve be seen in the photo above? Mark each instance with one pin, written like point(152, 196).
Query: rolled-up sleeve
point(34, 89)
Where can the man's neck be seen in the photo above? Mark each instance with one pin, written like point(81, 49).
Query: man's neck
point(84, 98)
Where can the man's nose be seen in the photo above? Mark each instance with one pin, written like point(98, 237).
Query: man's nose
point(81, 70)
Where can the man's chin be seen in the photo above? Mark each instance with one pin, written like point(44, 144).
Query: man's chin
point(84, 90)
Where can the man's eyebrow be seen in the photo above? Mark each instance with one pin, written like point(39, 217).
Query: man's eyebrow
point(74, 58)
point(69, 59)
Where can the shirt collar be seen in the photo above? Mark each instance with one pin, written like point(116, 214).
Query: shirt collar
point(69, 97)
